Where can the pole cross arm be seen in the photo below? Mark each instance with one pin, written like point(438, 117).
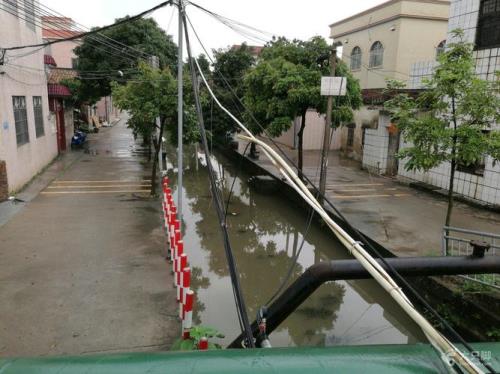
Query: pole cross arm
point(328, 271)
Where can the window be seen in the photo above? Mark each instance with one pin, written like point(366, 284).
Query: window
point(21, 120)
point(10, 6)
point(488, 25)
point(356, 58)
point(376, 55)
point(440, 48)
point(38, 114)
point(29, 9)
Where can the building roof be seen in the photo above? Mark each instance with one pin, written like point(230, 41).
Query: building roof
point(254, 50)
point(56, 75)
point(389, 11)
point(49, 60)
point(58, 90)
point(58, 34)
point(385, 5)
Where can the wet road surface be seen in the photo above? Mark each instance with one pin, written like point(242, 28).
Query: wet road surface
point(81, 267)
point(407, 221)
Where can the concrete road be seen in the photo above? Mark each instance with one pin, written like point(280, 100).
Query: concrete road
point(81, 266)
point(408, 222)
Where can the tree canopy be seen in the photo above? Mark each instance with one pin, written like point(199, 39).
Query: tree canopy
point(450, 121)
point(232, 64)
point(153, 94)
point(143, 35)
point(286, 83)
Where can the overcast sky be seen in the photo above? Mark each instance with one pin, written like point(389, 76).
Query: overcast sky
point(290, 18)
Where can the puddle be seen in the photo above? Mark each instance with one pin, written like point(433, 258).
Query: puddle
point(265, 235)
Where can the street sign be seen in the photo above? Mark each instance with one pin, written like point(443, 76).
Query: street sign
point(333, 86)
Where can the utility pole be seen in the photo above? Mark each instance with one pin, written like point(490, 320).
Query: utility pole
point(328, 125)
point(180, 112)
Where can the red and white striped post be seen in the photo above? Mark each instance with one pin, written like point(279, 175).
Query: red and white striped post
point(187, 321)
point(185, 285)
point(174, 225)
point(177, 238)
point(180, 263)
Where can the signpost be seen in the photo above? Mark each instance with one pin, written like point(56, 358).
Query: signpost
point(330, 86)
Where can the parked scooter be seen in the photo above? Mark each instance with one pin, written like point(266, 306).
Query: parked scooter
point(78, 139)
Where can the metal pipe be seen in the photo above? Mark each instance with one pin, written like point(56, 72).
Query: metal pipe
point(324, 272)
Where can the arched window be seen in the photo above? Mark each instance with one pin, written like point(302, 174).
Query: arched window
point(356, 58)
point(376, 55)
point(440, 48)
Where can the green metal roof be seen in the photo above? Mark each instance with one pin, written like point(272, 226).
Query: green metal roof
point(387, 359)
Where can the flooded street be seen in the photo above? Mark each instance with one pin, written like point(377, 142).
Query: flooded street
point(266, 232)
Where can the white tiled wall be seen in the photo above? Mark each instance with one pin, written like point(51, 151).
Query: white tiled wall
point(486, 188)
point(376, 145)
point(419, 71)
point(463, 15)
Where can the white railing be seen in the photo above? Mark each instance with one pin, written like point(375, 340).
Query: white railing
point(456, 242)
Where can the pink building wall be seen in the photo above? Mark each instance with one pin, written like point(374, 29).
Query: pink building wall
point(23, 77)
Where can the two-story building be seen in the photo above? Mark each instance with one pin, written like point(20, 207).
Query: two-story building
point(382, 43)
point(28, 140)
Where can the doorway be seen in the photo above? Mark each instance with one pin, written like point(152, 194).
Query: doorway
point(392, 150)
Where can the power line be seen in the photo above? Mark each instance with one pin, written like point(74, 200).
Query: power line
point(100, 34)
point(61, 28)
point(95, 31)
point(219, 206)
point(366, 242)
point(240, 28)
point(58, 33)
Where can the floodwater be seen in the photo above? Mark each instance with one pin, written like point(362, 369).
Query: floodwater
point(265, 233)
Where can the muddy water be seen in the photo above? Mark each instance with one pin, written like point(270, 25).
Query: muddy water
point(265, 233)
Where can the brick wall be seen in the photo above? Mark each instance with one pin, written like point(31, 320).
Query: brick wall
point(4, 186)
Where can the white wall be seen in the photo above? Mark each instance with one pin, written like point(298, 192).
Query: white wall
point(376, 147)
point(313, 133)
point(485, 188)
point(26, 79)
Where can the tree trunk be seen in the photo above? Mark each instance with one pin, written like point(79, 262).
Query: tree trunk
point(453, 164)
point(156, 144)
point(149, 149)
point(450, 193)
point(300, 136)
point(153, 174)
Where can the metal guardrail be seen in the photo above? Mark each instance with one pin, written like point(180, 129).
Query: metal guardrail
point(456, 242)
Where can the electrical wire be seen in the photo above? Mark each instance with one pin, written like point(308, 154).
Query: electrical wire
point(95, 31)
point(360, 236)
point(240, 303)
point(60, 33)
point(240, 28)
point(449, 353)
point(40, 5)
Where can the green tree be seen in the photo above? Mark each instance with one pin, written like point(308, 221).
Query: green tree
point(286, 83)
point(152, 94)
point(232, 64)
point(450, 121)
point(143, 35)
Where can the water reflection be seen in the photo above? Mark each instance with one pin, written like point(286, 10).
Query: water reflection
point(266, 232)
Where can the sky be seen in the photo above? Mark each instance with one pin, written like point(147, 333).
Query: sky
point(289, 18)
